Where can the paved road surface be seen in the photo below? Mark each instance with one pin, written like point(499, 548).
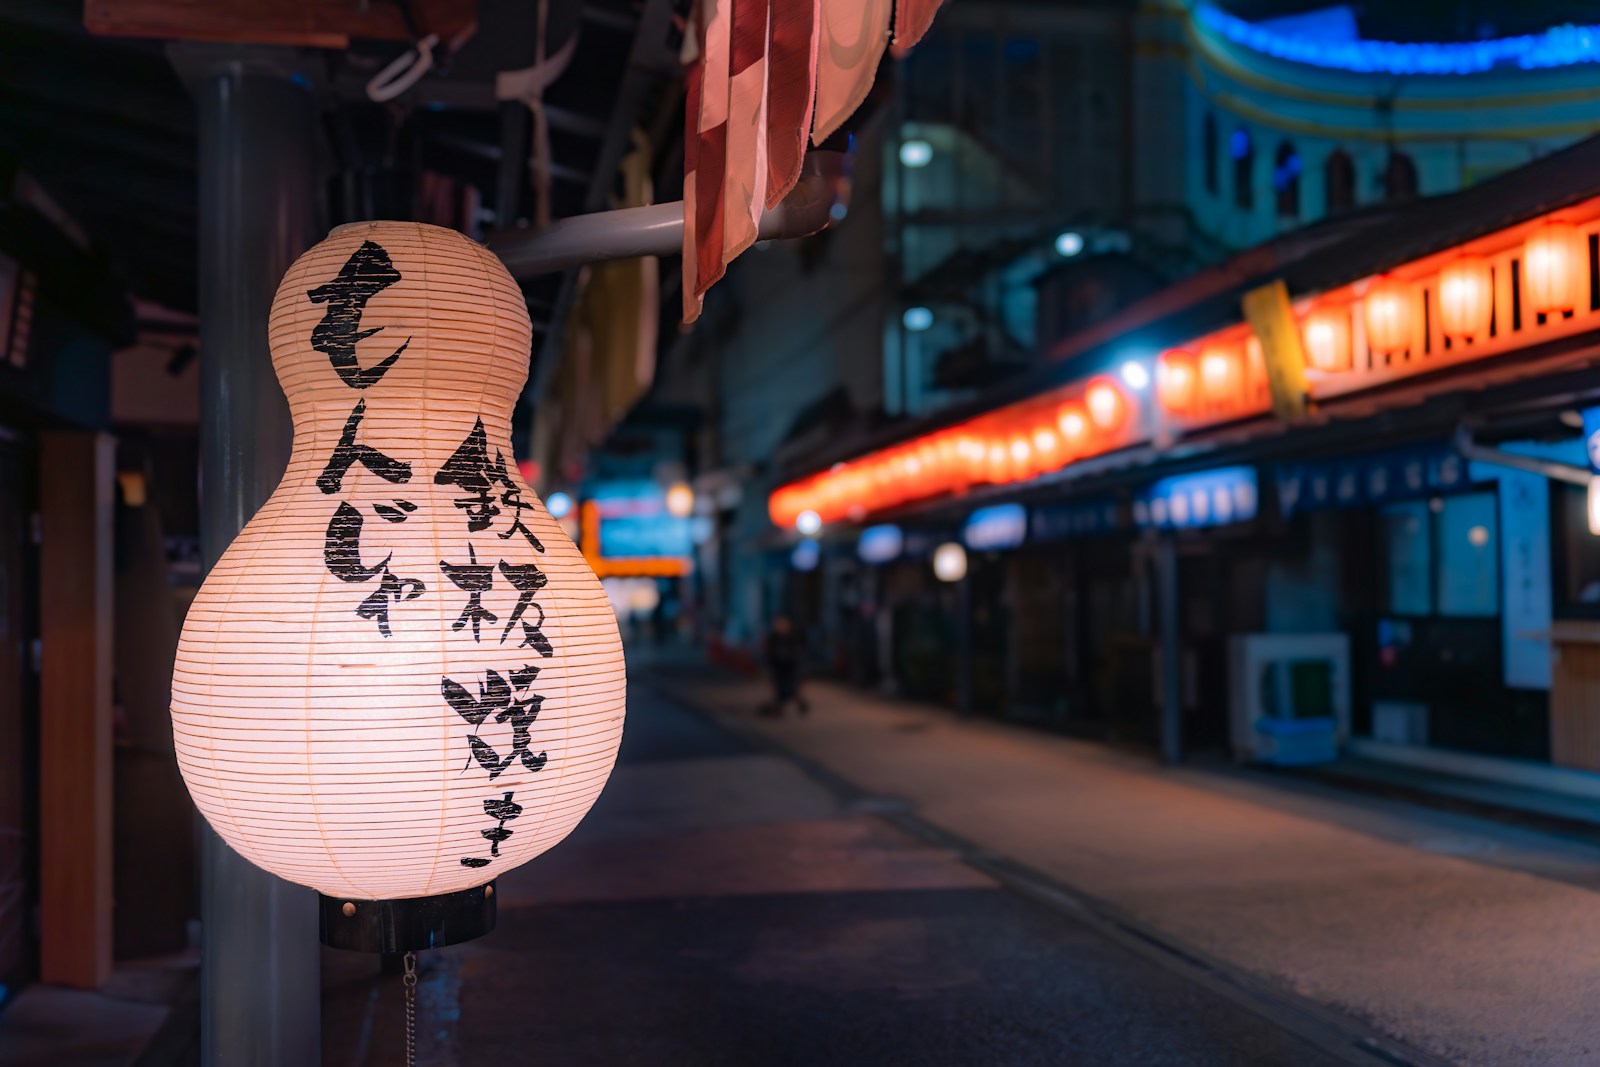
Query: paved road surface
point(1475, 941)
point(722, 907)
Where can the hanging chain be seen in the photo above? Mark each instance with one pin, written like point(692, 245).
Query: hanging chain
point(410, 981)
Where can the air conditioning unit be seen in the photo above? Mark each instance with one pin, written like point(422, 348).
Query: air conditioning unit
point(1289, 697)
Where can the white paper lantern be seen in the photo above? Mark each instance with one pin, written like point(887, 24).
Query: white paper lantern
point(401, 679)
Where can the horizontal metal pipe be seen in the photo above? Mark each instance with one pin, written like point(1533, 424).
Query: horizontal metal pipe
point(1561, 472)
point(657, 230)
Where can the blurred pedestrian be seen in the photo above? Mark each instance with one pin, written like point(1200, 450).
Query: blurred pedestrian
point(783, 665)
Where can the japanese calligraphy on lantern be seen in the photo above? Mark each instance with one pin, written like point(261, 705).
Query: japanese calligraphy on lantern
point(402, 678)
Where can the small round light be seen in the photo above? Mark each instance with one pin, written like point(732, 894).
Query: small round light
point(559, 505)
point(1478, 536)
point(838, 211)
point(808, 522)
point(917, 319)
point(916, 153)
point(1069, 243)
point(950, 562)
point(680, 500)
point(1135, 375)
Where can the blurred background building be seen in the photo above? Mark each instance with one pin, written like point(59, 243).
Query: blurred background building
point(1036, 289)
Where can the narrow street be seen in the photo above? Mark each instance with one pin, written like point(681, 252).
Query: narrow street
point(721, 905)
point(1456, 937)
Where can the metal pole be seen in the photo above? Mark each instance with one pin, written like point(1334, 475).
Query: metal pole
point(657, 230)
point(964, 646)
point(1171, 652)
point(260, 976)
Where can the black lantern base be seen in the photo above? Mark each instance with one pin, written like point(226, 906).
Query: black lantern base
point(407, 925)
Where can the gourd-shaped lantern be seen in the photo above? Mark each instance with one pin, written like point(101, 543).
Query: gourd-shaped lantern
point(401, 679)
point(1552, 259)
point(1465, 299)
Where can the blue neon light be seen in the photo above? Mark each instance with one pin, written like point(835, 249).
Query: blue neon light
point(880, 544)
point(1559, 46)
point(996, 527)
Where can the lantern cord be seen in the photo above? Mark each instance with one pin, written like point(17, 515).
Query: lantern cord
point(410, 981)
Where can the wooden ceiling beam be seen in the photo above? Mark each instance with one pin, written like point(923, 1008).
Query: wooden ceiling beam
point(298, 23)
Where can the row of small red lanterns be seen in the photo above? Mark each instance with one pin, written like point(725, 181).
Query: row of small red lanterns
point(1222, 375)
point(1010, 445)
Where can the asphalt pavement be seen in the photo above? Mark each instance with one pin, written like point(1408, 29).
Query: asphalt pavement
point(726, 905)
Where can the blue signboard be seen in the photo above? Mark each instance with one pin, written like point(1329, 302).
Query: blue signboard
point(1189, 501)
point(1375, 478)
point(635, 524)
point(992, 528)
point(639, 536)
point(880, 544)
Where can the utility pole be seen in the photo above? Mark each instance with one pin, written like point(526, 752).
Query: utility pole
point(260, 963)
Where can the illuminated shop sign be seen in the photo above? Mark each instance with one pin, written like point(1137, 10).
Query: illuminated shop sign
point(1375, 478)
point(880, 544)
point(1188, 501)
point(997, 527)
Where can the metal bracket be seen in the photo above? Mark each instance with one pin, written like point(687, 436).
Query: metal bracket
point(408, 925)
point(657, 230)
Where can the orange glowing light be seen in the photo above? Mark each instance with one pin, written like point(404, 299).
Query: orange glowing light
point(1466, 300)
point(1176, 381)
point(1073, 421)
point(1326, 333)
point(1387, 313)
point(1108, 410)
point(1221, 375)
point(1550, 265)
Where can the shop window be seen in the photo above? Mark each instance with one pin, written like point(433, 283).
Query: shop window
point(1339, 179)
point(1244, 165)
point(1211, 153)
point(1576, 562)
point(1400, 179)
point(1441, 557)
point(1286, 181)
point(1407, 543)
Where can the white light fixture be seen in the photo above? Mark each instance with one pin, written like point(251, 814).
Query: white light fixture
point(917, 319)
point(1069, 243)
point(950, 562)
point(916, 153)
point(680, 500)
point(559, 505)
point(1135, 375)
point(808, 522)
